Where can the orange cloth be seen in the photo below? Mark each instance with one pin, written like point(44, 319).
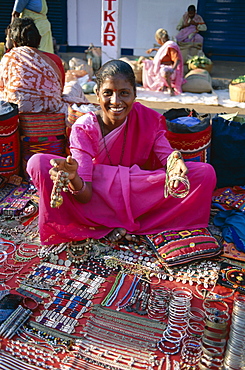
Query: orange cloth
point(170, 57)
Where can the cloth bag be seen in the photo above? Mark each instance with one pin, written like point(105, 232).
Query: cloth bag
point(193, 141)
point(179, 247)
point(74, 114)
point(228, 150)
point(10, 143)
point(41, 133)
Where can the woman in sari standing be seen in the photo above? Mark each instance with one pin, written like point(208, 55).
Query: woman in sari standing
point(36, 10)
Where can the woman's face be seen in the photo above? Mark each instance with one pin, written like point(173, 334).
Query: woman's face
point(159, 41)
point(116, 97)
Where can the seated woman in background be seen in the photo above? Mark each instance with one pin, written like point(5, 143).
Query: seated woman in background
point(189, 27)
point(30, 78)
point(113, 187)
point(166, 69)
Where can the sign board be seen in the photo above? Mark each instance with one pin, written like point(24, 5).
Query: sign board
point(110, 32)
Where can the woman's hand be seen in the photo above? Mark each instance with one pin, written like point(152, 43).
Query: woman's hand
point(179, 170)
point(15, 15)
point(149, 51)
point(80, 189)
point(68, 165)
point(193, 23)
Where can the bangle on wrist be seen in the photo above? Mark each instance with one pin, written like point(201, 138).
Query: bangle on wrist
point(77, 192)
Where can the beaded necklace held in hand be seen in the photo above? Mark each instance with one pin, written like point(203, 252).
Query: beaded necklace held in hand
point(123, 146)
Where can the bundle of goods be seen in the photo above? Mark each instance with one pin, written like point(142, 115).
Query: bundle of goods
point(227, 150)
point(237, 89)
point(9, 139)
point(42, 133)
point(137, 67)
point(74, 112)
point(190, 133)
point(198, 81)
point(200, 61)
point(189, 49)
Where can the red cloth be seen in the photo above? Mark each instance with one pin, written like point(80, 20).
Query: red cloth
point(59, 63)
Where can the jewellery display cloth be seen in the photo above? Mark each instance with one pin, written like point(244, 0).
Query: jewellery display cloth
point(95, 304)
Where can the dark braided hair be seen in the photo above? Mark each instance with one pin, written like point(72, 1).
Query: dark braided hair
point(24, 32)
point(112, 68)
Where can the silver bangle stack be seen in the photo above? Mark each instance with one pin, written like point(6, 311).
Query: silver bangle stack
point(175, 192)
point(234, 354)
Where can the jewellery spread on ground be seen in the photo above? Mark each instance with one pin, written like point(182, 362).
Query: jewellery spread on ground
point(102, 305)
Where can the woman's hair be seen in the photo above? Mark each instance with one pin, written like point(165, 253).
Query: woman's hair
point(162, 35)
point(112, 68)
point(24, 32)
point(191, 8)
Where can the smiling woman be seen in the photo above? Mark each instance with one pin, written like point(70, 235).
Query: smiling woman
point(115, 177)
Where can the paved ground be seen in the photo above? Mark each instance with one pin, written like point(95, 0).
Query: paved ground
point(200, 108)
point(222, 73)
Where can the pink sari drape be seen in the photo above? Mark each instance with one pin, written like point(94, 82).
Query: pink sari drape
point(190, 33)
point(153, 70)
point(124, 195)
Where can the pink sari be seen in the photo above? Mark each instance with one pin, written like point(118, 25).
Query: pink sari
point(190, 33)
point(124, 195)
point(153, 70)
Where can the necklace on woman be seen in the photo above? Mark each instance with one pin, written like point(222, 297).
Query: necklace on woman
point(106, 149)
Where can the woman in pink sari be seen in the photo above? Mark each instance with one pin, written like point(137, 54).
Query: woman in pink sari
point(117, 172)
point(189, 27)
point(166, 69)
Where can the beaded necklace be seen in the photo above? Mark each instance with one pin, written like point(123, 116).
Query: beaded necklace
point(106, 149)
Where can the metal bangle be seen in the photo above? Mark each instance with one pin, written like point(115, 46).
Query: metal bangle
point(216, 325)
point(214, 343)
point(205, 364)
point(212, 334)
point(77, 192)
point(8, 243)
point(207, 305)
point(196, 317)
point(4, 257)
point(218, 318)
point(167, 335)
point(182, 290)
point(173, 350)
point(212, 352)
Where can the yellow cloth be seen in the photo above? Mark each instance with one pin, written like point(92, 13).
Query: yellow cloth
point(43, 25)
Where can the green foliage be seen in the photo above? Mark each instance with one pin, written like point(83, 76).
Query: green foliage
point(199, 61)
point(238, 80)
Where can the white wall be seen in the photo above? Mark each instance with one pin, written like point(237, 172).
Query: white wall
point(140, 20)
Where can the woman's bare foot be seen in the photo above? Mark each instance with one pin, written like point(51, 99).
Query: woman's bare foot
point(164, 88)
point(116, 234)
point(171, 92)
point(119, 233)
